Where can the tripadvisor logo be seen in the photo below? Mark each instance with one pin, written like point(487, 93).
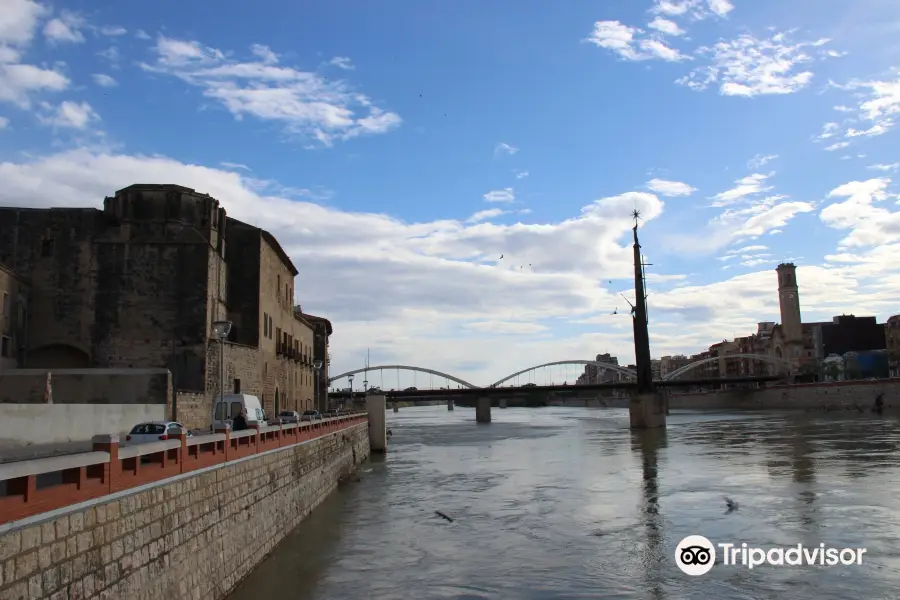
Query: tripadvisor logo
point(696, 555)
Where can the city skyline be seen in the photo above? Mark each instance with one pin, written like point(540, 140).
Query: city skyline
point(396, 168)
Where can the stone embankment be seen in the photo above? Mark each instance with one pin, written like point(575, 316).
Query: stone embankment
point(191, 535)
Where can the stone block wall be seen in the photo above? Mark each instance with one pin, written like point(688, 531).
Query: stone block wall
point(844, 395)
point(193, 537)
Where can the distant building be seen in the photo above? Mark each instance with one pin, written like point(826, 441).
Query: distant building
point(600, 374)
point(892, 344)
point(806, 345)
point(139, 283)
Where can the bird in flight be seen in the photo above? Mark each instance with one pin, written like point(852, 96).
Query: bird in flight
point(501, 256)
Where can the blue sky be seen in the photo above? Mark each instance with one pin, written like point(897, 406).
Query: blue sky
point(371, 139)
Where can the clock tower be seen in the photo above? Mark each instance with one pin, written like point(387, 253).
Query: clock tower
point(789, 300)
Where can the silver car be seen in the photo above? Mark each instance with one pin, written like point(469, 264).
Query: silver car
point(311, 415)
point(154, 431)
point(288, 416)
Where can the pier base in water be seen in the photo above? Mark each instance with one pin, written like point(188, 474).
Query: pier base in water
point(647, 411)
point(450, 404)
point(501, 403)
point(483, 410)
point(375, 406)
point(396, 406)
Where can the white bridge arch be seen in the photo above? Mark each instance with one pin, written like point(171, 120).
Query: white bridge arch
point(610, 366)
point(761, 357)
point(404, 368)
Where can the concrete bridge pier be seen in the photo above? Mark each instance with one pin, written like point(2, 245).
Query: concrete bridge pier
point(375, 406)
point(396, 406)
point(449, 403)
point(483, 410)
point(502, 403)
point(647, 410)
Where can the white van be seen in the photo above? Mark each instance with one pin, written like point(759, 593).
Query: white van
point(230, 406)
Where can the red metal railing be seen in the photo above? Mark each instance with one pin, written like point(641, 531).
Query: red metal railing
point(31, 487)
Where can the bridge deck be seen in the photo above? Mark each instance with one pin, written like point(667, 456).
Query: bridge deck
point(496, 391)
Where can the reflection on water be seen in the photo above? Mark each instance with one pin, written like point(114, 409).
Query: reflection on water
point(568, 503)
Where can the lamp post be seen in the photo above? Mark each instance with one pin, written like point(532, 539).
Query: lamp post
point(317, 364)
point(351, 388)
point(365, 386)
point(221, 329)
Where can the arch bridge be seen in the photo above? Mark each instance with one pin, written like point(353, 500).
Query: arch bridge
point(761, 357)
point(617, 368)
point(464, 383)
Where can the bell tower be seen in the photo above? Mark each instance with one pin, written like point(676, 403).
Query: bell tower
point(789, 300)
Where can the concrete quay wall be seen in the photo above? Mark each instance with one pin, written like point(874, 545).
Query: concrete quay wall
point(841, 395)
point(189, 537)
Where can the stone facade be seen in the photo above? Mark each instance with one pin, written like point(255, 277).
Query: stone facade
point(192, 537)
point(138, 285)
point(13, 317)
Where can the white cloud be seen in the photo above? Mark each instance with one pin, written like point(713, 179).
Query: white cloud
point(4, 122)
point(19, 20)
point(521, 174)
point(485, 215)
point(837, 146)
point(70, 115)
point(760, 160)
point(503, 148)
point(878, 103)
point(104, 80)
point(696, 9)
point(142, 35)
point(65, 29)
point(306, 103)
point(113, 31)
point(18, 82)
point(720, 7)
point(869, 225)
point(665, 26)
point(670, 188)
point(628, 42)
point(749, 66)
point(829, 130)
point(746, 186)
point(111, 54)
point(264, 53)
point(342, 62)
point(231, 165)
point(504, 195)
point(883, 167)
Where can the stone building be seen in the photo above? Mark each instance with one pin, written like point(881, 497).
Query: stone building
point(13, 318)
point(139, 283)
point(321, 333)
point(892, 344)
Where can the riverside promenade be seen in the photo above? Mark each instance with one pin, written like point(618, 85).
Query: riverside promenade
point(181, 518)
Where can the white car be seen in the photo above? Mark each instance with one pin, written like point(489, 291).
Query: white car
point(154, 431)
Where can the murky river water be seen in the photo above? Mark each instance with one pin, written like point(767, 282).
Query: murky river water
point(557, 503)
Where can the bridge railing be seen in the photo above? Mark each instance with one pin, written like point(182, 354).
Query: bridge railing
point(32, 487)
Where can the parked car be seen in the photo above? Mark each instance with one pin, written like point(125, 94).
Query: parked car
point(154, 431)
point(288, 416)
point(311, 415)
point(230, 406)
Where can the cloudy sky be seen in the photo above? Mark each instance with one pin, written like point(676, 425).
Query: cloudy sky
point(398, 150)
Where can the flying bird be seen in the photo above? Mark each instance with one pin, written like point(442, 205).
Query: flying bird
point(615, 311)
point(731, 504)
point(501, 256)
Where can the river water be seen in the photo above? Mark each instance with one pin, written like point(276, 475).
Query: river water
point(565, 503)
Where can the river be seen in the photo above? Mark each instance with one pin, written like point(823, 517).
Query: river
point(565, 503)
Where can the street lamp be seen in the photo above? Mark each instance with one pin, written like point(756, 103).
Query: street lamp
point(366, 386)
point(351, 387)
point(318, 366)
point(220, 330)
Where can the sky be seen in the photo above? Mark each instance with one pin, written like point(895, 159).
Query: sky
point(398, 149)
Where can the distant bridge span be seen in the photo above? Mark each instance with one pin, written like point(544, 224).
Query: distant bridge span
point(618, 368)
point(762, 357)
point(405, 368)
point(604, 365)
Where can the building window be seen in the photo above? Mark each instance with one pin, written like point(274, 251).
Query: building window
point(279, 284)
point(237, 385)
point(5, 347)
point(265, 325)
